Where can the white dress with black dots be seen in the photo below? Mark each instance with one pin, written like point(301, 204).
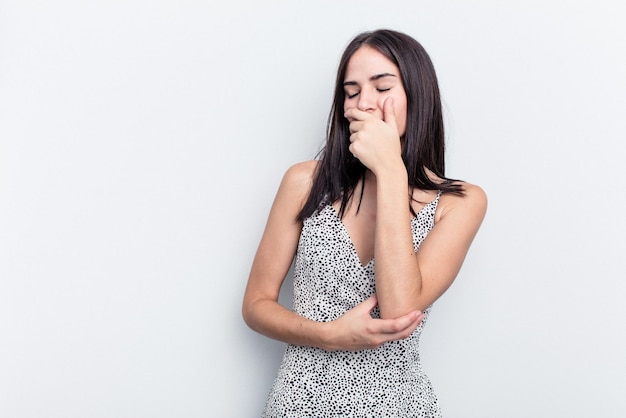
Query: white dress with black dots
point(328, 281)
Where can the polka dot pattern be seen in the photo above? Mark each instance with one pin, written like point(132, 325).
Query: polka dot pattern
point(328, 281)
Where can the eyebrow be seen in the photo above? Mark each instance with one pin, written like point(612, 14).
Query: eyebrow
point(372, 78)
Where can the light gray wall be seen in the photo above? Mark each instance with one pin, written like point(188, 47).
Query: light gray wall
point(141, 144)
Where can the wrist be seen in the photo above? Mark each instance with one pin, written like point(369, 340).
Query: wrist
point(393, 172)
point(326, 335)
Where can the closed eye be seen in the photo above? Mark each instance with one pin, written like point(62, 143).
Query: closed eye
point(353, 95)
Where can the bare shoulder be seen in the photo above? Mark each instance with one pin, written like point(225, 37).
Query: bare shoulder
point(301, 173)
point(297, 181)
point(475, 195)
point(300, 176)
point(473, 204)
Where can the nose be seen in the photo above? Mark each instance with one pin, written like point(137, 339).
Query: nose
point(366, 102)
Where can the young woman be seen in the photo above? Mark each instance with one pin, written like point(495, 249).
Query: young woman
point(378, 234)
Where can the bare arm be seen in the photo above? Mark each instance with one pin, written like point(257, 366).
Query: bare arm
point(354, 331)
point(261, 311)
point(406, 280)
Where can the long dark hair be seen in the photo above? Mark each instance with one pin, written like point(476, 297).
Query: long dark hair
point(338, 171)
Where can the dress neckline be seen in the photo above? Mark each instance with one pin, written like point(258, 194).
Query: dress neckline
point(349, 238)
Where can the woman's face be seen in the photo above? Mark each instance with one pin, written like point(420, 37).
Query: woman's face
point(370, 79)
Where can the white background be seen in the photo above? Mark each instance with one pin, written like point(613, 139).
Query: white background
point(142, 142)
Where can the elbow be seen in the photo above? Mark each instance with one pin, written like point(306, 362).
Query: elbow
point(400, 306)
point(395, 313)
point(251, 314)
point(247, 314)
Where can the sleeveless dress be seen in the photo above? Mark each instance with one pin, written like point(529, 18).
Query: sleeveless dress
point(328, 281)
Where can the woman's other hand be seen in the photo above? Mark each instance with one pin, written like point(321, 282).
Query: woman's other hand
point(357, 330)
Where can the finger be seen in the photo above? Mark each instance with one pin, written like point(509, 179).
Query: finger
point(355, 126)
point(400, 325)
point(389, 113)
point(355, 114)
point(353, 137)
point(369, 303)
